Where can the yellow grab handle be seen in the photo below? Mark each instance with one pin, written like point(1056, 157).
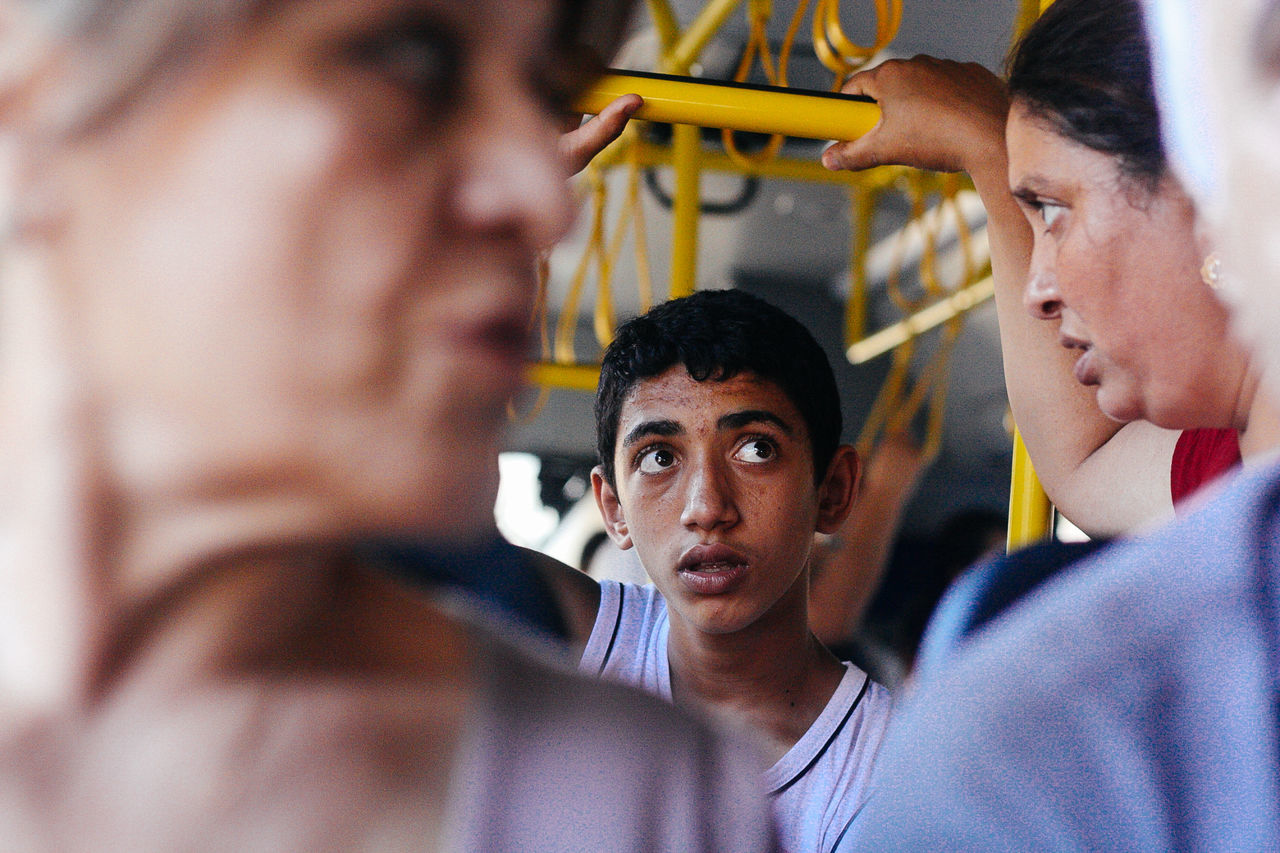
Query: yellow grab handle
point(737, 106)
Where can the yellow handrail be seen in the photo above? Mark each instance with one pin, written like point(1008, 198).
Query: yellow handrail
point(574, 377)
point(920, 322)
point(1030, 512)
point(759, 14)
point(837, 51)
point(783, 168)
point(737, 106)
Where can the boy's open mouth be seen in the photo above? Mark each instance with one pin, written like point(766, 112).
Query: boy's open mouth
point(711, 569)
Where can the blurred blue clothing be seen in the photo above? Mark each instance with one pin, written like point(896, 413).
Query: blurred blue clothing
point(497, 578)
point(1127, 701)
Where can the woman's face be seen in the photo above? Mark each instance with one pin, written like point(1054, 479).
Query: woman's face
point(1118, 267)
point(300, 270)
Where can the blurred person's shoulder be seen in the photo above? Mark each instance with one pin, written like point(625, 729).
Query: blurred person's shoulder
point(556, 761)
point(1127, 701)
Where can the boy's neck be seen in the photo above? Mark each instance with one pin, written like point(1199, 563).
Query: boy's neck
point(773, 676)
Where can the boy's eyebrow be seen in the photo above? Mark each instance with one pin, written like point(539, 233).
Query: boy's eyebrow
point(644, 429)
point(738, 420)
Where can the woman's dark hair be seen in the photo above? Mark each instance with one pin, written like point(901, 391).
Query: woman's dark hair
point(715, 335)
point(1085, 68)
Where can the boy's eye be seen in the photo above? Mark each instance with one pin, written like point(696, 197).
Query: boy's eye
point(1050, 213)
point(655, 460)
point(755, 451)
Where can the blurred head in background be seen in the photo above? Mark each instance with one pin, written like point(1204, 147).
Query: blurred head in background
point(1218, 74)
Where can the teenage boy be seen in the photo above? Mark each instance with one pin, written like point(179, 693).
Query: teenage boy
point(718, 426)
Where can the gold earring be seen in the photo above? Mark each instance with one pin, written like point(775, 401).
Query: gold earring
point(1211, 271)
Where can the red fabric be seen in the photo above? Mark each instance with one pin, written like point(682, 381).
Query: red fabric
point(1201, 456)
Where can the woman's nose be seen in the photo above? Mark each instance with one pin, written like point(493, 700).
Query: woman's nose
point(511, 178)
point(1041, 297)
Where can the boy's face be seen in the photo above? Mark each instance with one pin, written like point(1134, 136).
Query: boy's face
point(714, 487)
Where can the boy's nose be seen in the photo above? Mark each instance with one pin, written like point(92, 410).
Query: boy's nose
point(708, 501)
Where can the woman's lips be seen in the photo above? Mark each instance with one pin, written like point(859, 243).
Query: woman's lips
point(1084, 370)
point(711, 569)
point(502, 336)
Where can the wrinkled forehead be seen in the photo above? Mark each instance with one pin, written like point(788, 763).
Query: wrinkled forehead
point(122, 46)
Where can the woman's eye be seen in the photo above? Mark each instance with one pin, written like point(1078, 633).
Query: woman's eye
point(1050, 213)
point(417, 57)
point(755, 451)
point(557, 87)
point(656, 460)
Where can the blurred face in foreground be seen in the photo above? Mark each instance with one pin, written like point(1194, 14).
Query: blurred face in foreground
point(291, 278)
point(1240, 71)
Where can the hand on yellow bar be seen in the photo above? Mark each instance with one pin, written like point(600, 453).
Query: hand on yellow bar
point(579, 145)
point(935, 114)
point(737, 106)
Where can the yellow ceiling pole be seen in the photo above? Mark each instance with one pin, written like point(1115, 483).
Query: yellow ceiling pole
point(862, 205)
point(686, 204)
point(685, 209)
point(664, 21)
point(1030, 511)
point(690, 45)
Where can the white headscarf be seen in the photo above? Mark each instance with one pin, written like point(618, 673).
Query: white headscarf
point(1176, 34)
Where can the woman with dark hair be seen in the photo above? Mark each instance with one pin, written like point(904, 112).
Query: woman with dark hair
point(267, 278)
point(1132, 395)
point(1130, 703)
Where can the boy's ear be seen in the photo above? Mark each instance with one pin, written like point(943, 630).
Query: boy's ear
point(839, 489)
point(615, 521)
